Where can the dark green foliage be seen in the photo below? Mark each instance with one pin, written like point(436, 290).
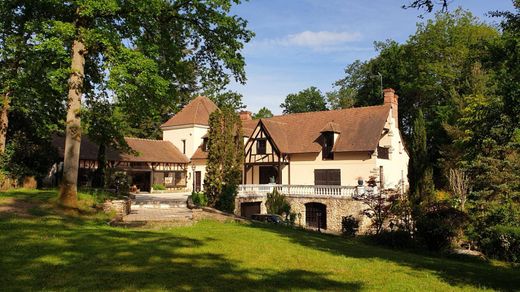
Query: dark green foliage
point(349, 225)
point(263, 113)
point(307, 100)
point(105, 125)
point(395, 239)
point(438, 226)
point(420, 172)
point(224, 166)
point(199, 199)
point(502, 242)
point(118, 181)
point(27, 155)
point(277, 203)
point(226, 201)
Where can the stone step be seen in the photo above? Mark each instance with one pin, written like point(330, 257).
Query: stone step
point(155, 214)
point(158, 206)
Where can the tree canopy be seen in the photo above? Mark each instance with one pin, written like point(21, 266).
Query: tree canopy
point(263, 113)
point(307, 100)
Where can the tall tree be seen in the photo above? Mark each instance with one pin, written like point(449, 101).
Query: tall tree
point(420, 172)
point(431, 71)
point(224, 167)
point(105, 125)
point(307, 100)
point(189, 42)
point(263, 113)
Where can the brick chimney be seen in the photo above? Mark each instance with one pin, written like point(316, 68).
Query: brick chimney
point(245, 116)
point(391, 99)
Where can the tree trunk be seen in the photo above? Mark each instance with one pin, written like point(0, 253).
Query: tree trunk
point(4, 122)
point(68, 191)
point(102, 165)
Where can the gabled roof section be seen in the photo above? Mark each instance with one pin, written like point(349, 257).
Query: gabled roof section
point(359, 129)
point(146, 150)
point(194, 113)
point(331, 127)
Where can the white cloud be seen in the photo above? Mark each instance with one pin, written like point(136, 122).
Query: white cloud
point(319, 39)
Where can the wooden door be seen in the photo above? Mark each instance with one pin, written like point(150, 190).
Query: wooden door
point(316, 215)
point(249, 209)
point(198, 181)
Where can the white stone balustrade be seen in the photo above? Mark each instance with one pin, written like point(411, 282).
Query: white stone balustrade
point(298, 190)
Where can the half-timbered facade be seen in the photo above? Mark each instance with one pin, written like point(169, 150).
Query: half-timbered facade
point(150, 162)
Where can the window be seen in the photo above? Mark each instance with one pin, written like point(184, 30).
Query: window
point(261, 145)
point(327, 177)
point(328, 143)
point(205, 147)
point(383, 152)
point(183, 146)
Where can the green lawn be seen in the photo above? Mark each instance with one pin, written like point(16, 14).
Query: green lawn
point(48, 250)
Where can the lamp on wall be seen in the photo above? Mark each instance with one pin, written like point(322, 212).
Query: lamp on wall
point(193, 166)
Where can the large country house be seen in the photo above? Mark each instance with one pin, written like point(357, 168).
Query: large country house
point(318, 159)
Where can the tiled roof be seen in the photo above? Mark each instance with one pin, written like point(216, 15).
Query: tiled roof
point(147, 150)
point(199, 154)
point(331, 127)
point(360, 129)
point(194, 113)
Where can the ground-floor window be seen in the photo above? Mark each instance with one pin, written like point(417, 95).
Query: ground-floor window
point(316, 215)
point(175, 179)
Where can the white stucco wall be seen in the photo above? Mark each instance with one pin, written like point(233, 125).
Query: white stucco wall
point(395, 169)
point(352, 166)
point(191, 133)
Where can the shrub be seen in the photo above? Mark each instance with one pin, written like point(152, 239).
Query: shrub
point(199, 199)
point(349, 225)
point(226, 201)
point(395, 239)
point(440, 225)
point(276, 203)
point(502, 242)
point(159, 187)
point(119, 182)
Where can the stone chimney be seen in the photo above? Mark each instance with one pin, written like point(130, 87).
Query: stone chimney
point(245, 116)
point(391, 99)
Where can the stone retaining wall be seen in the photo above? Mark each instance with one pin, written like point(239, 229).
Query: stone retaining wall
point(120, 207)
point(337, 208)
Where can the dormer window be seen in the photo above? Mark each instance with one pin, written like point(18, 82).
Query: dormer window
point(205, 147)
point(261, 146)
point(328, 144)
point(328, 134)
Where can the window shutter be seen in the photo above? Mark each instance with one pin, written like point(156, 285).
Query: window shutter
point(327, 177)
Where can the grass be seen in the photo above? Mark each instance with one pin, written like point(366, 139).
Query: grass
point(48, 250)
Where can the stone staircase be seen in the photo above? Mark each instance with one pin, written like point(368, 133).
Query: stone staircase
point(159, 207)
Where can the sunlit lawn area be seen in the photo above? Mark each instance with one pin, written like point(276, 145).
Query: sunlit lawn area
point(48, 250)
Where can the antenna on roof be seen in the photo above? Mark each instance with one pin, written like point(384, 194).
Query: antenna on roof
point(380, 83)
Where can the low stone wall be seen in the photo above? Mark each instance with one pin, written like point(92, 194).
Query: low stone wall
point(337, 208)
point(120, 207)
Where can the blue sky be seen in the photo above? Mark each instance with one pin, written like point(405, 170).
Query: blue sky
point(302, 43)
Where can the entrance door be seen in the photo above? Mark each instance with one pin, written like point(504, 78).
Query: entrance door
point(247, 210)
point(268, 174)
point(141, 179)
point(316, 215)
point(198, 181)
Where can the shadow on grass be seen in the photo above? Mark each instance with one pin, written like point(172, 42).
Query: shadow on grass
point(479, 274)
point(53, 252)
